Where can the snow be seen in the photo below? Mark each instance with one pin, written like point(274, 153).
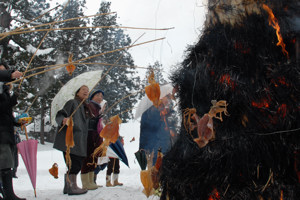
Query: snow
point(49, 188)
point(32, 49)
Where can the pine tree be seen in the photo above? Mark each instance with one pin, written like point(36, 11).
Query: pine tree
point(157, 69)
point(120, 81)
point(22, 47)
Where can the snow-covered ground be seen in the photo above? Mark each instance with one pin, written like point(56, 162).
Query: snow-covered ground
point(49, 188)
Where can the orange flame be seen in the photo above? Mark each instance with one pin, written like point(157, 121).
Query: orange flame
point(281, 195)
point(215, 195)
point(225, 79)
point(274, 23)
point(264, 103)
point(280, 80)
point(282, 110)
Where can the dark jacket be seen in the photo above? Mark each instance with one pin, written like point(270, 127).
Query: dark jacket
point(93, 140)
point(96, 140)
point(7, 102)
point(80, 128)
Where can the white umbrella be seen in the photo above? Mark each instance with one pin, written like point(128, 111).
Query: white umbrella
point(67, 92)
point(145, 103)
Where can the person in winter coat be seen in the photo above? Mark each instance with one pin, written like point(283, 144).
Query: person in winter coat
point(156, 128)
point(7, 123)
point(80, 133)
point(93, 141)
point(113, 166)
point(16, 154)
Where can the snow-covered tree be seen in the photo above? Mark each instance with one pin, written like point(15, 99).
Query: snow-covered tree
point(157, 69)
point(120, 81)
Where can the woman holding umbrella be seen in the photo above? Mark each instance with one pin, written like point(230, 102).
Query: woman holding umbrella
point(80, 132)
point(7, 122)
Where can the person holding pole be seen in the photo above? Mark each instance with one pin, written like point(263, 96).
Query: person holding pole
point(7, 138)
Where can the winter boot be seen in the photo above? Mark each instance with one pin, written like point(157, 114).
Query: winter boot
point(108, 181)
point(91, 181)
point(115, 180)
point(67, 185)
point(85, 179)
point(8, 190)
point(73, 188)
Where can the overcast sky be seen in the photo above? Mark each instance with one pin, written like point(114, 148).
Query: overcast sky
point(186, 16)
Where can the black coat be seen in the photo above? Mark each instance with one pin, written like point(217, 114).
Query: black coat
point(7, 102)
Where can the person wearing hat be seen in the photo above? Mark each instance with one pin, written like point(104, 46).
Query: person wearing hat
point(7, 123)
point(80, 134)
point(93, 140)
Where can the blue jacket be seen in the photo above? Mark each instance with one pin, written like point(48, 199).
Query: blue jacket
point(153, 133)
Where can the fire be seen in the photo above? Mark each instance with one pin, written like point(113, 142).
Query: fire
point(282, 110)
point(274, 23)
point(225, 79)
point(215, 195)
point(264, 103)
point(280, 80)
point(281, 195)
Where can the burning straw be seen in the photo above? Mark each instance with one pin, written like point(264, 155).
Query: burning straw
point(236, 59)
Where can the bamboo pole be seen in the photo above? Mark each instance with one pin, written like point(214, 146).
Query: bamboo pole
point(35, 98)
point(123, 99)
point(55, 22)
point(62, 65)
point(94, 63)
point(31, 75)
point(8, 33)
point(99, 81)
point(92, 27)
point(42, 43)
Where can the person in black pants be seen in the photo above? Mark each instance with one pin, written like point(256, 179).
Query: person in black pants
point(113, 167)
point(16, 154)
point(80, 133)
point(7, 123)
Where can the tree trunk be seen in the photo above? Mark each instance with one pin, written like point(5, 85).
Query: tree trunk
point(5, 20)
point(42, 131)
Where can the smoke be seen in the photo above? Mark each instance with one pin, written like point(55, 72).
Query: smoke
point(51, 77)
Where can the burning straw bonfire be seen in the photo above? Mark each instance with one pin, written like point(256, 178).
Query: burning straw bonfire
point(248, 56)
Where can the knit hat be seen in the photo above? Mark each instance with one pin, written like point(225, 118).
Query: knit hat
point(96, 92)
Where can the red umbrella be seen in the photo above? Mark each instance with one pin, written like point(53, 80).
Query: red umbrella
point(28, 150)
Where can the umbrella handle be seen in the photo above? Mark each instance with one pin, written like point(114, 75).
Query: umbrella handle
point(24, 127)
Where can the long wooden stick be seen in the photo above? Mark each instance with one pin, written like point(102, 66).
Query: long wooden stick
point(95, 63)
point(55, 22)
point(42, 42)
point(31, 75)
point(91, 27)
point(32, 103)
point(99, 82)
point(62, 65)
point(17, 29)
point(106, 111)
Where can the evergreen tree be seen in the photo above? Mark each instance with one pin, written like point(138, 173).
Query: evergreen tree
point(19, 49)
point(120, 81)
point(157, 69)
